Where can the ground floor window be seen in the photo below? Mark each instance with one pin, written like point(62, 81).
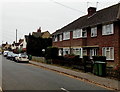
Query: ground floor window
point(84, 52)
point(108, 52)
point(60, 53)
point(77, 51)
point(66, 51)
point(93, 52)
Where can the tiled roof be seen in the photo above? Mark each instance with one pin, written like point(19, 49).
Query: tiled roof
point(105, 15)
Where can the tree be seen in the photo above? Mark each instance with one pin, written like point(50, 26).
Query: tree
point(35, 45)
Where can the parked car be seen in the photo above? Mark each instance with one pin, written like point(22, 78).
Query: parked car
point(0, 52)
point(14, 56)
point(22, 58)
point(5, 53)
point(9, 55)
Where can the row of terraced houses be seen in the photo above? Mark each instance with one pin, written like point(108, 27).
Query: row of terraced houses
point(97, 33)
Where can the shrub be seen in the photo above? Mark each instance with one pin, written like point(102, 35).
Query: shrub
point(71, 57)
point(51, 53)
point(117, 68)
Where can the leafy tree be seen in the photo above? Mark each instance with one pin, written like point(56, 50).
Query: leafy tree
point(35, 45)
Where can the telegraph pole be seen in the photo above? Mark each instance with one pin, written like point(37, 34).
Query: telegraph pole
point(16, 35)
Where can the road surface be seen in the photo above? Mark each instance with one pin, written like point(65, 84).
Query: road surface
point(23, 76)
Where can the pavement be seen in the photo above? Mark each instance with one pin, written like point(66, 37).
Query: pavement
point(101, 81)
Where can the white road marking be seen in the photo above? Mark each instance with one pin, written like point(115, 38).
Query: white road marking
point(64, 90)
point(0, 89)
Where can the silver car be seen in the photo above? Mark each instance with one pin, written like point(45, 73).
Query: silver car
point(22, 58)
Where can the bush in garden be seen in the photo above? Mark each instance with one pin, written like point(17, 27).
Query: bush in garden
point(117, 71)
point(117, 68)
point(70, 59)
point(51, 53)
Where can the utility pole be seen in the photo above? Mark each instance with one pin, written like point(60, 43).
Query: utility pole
point(16, 35)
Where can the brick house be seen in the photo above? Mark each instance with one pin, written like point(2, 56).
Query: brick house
point(97, 33)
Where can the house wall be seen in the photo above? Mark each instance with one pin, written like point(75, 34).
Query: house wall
point(106, 40)
point(112, 40)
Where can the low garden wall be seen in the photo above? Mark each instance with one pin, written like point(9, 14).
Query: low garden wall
point(38, 59)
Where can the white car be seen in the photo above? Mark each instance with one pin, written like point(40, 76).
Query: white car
point(5, 53)
point(14, 56)
point(22, 58)
point(9, 55)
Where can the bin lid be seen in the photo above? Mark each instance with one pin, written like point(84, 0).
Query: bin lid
point(100, 62)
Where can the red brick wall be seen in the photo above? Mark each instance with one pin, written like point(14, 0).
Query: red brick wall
point(103, 41)
point(106, 40)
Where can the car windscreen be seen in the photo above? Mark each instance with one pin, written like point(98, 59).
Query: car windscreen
point(23, 55)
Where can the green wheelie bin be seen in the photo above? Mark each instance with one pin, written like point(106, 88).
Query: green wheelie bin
point(99, 68)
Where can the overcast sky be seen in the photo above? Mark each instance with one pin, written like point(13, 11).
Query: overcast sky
point(28, 15)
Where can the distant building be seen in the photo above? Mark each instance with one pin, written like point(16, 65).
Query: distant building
point(45, 34)
point(6, 46)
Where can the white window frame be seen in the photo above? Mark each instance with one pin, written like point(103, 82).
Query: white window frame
point(84, 36)
point(60, 37)
point(55, 38)
point(104, 51)
point(64, 51)
point(84, 52)
point(66, 35)
point(79, 33)
point(93, 52)
point(80, 51)
point(60, 52)
point(94, 32)
point(108, 29)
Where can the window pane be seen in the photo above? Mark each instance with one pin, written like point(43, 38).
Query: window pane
point(111, 53)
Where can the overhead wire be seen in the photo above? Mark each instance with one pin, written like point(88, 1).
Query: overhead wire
point(67, 6)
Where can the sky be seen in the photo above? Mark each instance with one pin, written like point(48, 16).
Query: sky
point(28, 15)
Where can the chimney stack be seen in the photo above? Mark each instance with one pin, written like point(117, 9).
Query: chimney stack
point(91, 11)
point(39, 30)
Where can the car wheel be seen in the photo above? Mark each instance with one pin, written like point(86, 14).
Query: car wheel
point(17, 61)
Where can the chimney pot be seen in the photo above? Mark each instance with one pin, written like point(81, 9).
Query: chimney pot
point(91, 11)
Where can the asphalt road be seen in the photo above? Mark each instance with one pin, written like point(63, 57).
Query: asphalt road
point(23, 76)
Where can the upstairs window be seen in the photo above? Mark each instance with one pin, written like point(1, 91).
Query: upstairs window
point(84, 33)
point(60, 37)
point(66, 35)
point(94, 32)
point(79, 33)
point(107, 29)
point(55, 39)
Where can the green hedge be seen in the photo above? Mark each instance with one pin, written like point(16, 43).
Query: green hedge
point(51, 53)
